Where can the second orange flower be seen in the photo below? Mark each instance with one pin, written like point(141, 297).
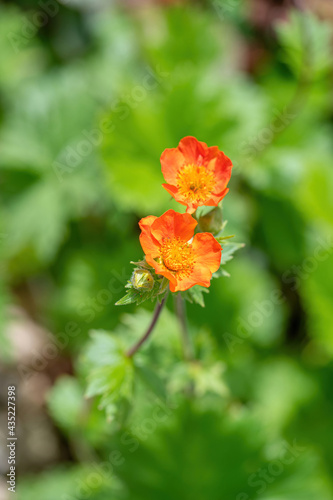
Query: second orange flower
point(171, 250)
point(196, 174)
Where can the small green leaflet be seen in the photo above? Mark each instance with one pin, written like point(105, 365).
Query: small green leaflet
point(228, 251)
point(111, 373)
point(195, 295)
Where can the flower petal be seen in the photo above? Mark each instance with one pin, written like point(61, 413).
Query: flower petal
point(171, 161)
point(149, 244)
point(200, 275)
point(223, 167)
point(161, 269)
point(211, 156)
point(190, 151)
point(191, 207)
point(215, 199)
point(173, 225)
point(193, 150)
point(207, 251)
point(173, 190)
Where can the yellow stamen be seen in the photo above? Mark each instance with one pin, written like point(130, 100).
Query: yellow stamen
point(195, 183)
point(177, 255)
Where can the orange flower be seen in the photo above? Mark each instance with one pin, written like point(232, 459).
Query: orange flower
point(196, 174)
point(171, 251)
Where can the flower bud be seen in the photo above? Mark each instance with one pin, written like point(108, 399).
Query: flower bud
point(142, 279)
point(211, 222)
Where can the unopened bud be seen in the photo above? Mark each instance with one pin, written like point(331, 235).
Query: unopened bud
point(142, 279)
point(211, 222)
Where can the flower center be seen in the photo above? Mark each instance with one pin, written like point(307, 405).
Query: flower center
point(177, 255)
point(195, 183)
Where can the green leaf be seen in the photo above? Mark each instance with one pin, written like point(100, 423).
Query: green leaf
point(111, 374)
point(41, 136)
point(203, 379)
point(21, 57)
point(227, 254)
point(221, 273)
point(228, 251)
point(195, 294)
point(235, 452)
point(65, 402)
point(131, 297)
point(152, 381)
point(103, 349)
point(306, 41)
point(64, 481)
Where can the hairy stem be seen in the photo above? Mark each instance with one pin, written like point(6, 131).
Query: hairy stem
point(151, 327)
point(181, 313)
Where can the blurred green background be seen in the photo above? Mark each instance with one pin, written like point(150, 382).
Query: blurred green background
point(91, 93)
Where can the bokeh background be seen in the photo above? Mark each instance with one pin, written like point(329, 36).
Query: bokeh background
point(91, 93)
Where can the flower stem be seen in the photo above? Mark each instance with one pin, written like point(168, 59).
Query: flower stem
point(157, 312)
point(181, 313)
